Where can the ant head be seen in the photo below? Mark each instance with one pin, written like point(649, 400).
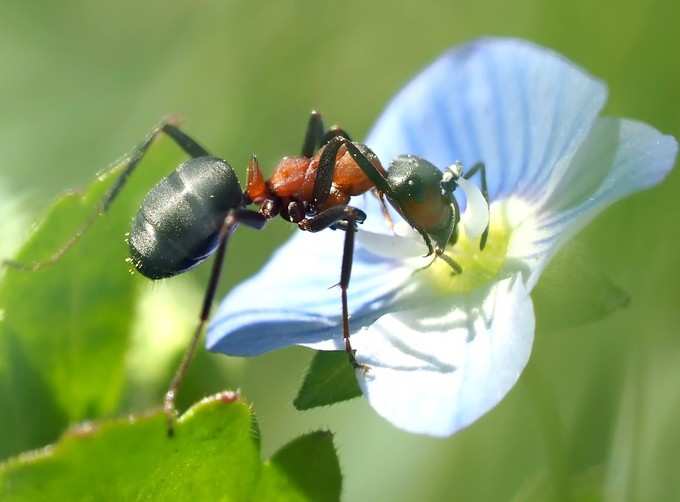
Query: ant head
point(418, 193)
point(413, 180)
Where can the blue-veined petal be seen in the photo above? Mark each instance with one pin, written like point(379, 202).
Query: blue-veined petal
point(618, 158)
point(292, 299)
point(517, 107)
point(436, 369)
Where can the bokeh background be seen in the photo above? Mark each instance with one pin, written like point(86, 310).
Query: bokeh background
point(596, 415)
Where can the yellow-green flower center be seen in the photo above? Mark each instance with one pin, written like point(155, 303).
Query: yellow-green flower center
point(479, 266)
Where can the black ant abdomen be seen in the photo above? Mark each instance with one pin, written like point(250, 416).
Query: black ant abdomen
point(178, 223)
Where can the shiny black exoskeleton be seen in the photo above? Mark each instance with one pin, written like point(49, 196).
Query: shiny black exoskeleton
point(178, 223)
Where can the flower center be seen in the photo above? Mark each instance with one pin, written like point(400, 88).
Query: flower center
point(479, 266)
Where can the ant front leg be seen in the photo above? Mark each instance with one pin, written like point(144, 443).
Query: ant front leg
point(345, 218)
point(384, 210)
point(187, 144)
point(247, 217)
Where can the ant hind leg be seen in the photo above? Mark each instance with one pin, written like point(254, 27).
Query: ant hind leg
point(247, 217)
point(185, 142)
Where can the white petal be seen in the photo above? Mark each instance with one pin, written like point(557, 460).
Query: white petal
point(436, 369)
point(475, 219)
point(403, 244)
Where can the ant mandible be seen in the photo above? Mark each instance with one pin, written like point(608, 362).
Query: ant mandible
point(190, 214)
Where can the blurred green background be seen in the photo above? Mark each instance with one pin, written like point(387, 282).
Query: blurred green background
point(595, 416)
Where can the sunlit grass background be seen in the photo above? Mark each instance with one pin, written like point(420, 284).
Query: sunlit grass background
point(595, 415)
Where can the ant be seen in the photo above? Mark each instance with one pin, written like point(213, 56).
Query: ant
point(190, 214)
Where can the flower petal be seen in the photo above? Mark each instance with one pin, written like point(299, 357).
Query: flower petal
point(475, 219)
point(436, 369)
point(292, 299)
point(404, 244)
point(618, 158)
point(517, 107)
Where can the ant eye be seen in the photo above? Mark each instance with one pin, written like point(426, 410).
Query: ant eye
point(415, 187)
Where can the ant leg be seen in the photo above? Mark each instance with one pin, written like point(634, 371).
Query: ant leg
point(247, 217)
point(333, 132)
point(345, 275)
point(431, 249)
point(455, 266)
point(384, 210)
point(378, 178)
point(345, 218)
point(331, 216)
point(183, 141)
point(481, 168)
point(324, 173)
point(186, 143)
point(314, 135)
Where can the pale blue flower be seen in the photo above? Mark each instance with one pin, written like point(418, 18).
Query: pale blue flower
point(443, 349)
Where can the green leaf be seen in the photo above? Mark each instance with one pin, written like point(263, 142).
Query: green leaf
point(330, 379)
point(305, 469)
point(65, 330)
point(571, 292)
point(214, 455)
